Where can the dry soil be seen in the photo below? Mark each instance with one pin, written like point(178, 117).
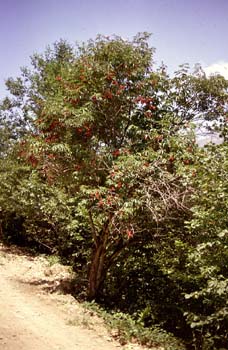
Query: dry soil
point(34, 315)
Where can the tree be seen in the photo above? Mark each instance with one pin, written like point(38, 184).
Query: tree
point(111, 132)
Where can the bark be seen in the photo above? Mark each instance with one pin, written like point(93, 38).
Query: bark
point(97, 271)
point(101, 260)
point(1, 228)
point(1, 231)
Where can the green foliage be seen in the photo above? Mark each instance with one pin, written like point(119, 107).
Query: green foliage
point(207, 262)
point(126, 329)
point(198, 266)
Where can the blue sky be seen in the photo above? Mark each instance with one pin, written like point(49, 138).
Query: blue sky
point(183, 30)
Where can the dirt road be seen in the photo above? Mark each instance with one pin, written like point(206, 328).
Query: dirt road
point(33, 320)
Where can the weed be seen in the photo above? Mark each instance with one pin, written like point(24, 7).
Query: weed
point(126, 329)
point(53, 259)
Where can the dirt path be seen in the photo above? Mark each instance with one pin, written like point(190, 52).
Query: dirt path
point(32, 319)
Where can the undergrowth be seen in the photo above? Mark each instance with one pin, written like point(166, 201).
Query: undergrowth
point(126, 329)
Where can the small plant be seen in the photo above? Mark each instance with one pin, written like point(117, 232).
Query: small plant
point(53, 259)
point(126, 329)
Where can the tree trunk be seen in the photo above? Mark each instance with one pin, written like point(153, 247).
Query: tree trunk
point(101, 262)
point(97, 271)
point(1, 228)
point(1, 232)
